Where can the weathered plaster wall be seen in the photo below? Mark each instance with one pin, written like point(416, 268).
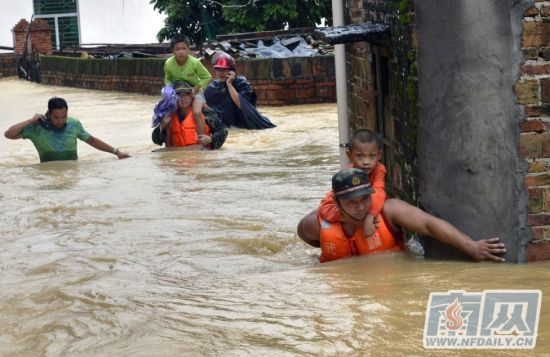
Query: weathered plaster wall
point(468, 132)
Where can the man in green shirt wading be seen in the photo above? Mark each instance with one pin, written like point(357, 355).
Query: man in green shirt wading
point(54, 134)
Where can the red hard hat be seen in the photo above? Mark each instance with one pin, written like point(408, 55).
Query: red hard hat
point(223, 60)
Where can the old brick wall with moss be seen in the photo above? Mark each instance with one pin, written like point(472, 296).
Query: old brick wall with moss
point(288, 81)
point(533, 91)
point(383, 87)
point(7, 65)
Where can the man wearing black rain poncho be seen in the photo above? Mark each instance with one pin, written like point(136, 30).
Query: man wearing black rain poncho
point(232, 97)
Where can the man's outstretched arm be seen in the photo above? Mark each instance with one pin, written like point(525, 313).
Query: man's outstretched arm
point(103, 146)
point(404, 215)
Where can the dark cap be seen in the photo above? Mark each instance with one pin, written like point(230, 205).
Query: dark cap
point(183, 87)
point(349, 184)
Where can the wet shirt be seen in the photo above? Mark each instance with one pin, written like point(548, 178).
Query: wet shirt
point(192, 72)
point(56, 144)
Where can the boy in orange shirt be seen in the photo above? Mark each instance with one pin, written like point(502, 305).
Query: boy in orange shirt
point(364, 152)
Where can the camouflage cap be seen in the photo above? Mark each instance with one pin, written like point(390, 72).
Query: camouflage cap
point(349, 184)
point(183, 87)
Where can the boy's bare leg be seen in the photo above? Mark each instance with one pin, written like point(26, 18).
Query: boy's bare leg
point(198, 103)
point(368, 226)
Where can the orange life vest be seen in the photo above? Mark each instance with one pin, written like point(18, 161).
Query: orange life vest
point(185, 133)
point(335, 245)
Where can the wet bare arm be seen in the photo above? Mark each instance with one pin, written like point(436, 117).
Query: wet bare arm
point(402, 214)
point(14, 131)
point(160, 134)
point(232, 91)
point(103, 146)
point(308, 229)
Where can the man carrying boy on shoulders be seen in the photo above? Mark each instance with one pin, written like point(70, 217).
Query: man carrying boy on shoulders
point(178, 129)
point(352, 191)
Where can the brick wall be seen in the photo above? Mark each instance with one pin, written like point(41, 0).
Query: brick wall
point(39, 38)
point(128, 75)
point(7, 65)
point(298, 80)
point(277, 82)
point(533, 91)
point(398, 107)
point(19, 36)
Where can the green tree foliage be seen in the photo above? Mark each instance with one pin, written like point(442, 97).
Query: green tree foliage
point(268, 15)
point(202, 20)
point(193, 18)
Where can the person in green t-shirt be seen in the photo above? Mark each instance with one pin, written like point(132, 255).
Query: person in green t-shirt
point(182, 67)
point(54, 134)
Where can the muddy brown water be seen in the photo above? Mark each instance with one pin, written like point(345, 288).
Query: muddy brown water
point(195, 253)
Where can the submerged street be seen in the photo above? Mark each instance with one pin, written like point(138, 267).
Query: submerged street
point(195, 252)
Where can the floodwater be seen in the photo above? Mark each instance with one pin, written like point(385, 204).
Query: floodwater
point(195, 253)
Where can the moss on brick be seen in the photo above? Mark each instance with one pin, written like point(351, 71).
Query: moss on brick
point(405, 19)
point(404, 6)
point(403, 84)
point(535, 204)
